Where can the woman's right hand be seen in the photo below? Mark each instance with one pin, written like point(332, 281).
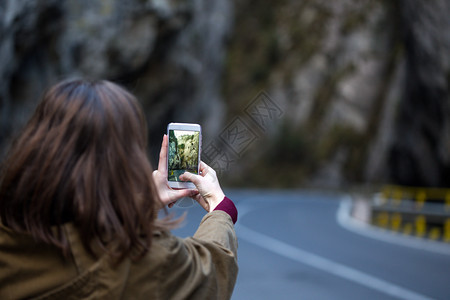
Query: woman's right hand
point(210, 193)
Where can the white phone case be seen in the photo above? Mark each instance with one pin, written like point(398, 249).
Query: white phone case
point(183, 127)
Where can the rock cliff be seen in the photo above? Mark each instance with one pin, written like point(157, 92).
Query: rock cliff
point(169, 53)
point(362, 86)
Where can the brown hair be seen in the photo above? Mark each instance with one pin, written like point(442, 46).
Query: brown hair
point(82, 158)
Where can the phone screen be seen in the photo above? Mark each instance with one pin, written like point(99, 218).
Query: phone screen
point(183, 153)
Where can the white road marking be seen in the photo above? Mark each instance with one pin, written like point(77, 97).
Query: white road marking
point(325, 264)
point(346, 221)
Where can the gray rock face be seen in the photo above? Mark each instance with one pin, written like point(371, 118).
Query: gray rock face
point(169, 53)
point(363, 85)
point(420, 152)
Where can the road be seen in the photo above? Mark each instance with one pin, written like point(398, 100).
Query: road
point(303, 245)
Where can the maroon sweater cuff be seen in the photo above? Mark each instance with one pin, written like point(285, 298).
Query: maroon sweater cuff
point(228, 206)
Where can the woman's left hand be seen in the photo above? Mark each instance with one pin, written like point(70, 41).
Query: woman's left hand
point(167, 195)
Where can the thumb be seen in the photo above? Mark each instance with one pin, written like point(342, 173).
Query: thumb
point(188, 176)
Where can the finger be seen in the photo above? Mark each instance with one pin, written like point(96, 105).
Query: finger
point(175, 195)
point(203, 164)
point(186, 193)
point(188, 176)
point(159, 179)
point(197, 197)
point(202, 202)
point(162, 165)
point(204, 168)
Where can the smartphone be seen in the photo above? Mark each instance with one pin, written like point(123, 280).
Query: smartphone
point(185, 142)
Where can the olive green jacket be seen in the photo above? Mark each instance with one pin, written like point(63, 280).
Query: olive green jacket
point(200, 267)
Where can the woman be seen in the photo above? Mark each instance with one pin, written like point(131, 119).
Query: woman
point(79, 205)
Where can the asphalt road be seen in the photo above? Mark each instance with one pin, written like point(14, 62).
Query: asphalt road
point(303, 245)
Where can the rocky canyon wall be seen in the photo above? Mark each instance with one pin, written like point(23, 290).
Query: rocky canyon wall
point(168, 53)
point(362, 86)
point(420, 151)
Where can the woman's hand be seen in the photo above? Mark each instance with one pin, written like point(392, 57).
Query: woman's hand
point(167, 195)
point(210, 193)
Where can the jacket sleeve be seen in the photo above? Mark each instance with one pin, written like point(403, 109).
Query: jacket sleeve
point(205, 265)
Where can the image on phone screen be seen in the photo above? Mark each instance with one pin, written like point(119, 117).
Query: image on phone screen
point(183, 153)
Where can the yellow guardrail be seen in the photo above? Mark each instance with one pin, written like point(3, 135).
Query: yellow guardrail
point(417, 222)
point(419, 194)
